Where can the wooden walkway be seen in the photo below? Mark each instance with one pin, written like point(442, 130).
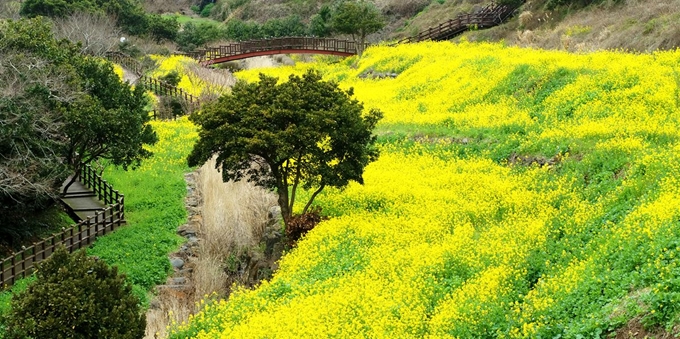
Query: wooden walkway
point(490, 16)
point(81, 201)
point(101, 210)
point(289, 45)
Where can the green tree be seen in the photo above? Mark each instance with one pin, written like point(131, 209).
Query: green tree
point(130, 15)
point(197, 35)
point(320, 23)
point(75, 296)
point(285, 27)
point(108, 122)
point(305, 132)
point(358, 19)
point(161, 28)
point(58, 110)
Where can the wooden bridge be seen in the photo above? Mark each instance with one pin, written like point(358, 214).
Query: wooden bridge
point(490, 16)
point(292, 45)
point(93, 201)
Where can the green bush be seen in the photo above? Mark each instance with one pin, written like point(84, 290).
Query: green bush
point(197, 35)
point(161, 28)
point(172, 78)
point(75, 296)
point(205, 12)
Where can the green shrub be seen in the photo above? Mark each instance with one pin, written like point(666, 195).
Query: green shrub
point(205, 12)
point(161, 28)
point(75, 296)
point(172, 78)
point(197, 35)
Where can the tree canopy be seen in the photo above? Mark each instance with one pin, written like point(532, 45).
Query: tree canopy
point(129, 14)
point(358, 19)
point(304, 132)
point(75, 296)
point(58, 110)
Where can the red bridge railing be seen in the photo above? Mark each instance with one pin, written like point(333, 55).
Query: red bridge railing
point(245, 49)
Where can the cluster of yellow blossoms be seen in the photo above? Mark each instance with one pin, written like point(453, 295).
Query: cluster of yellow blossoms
point(519, 194)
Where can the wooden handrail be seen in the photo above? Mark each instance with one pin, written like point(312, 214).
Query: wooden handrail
point(21, 264)
point(126, 61)
point(206, 55)
point(491, 15)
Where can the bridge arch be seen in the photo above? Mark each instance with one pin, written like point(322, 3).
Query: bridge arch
point(291, 45)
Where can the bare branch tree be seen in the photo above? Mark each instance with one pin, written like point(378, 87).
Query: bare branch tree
point(213, 82)
point(9, 9)
point(30, 128)
point(97, 33)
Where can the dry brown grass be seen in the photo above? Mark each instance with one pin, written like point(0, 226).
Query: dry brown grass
point(9, 9)
point(214, 82)
point(234, 213)
point(635, 25)
point(232, 218)
point(173, 307)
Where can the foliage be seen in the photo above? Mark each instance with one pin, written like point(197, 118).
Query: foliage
point(109, 124)
point(172, 78)
point(243, 30)
point(320, 23)
point(129, 14)
point(163, 28)
point(198, 35)
point(72, 109)
point(75, 296)
point(249, 30)
point(205, 12)
point(357, 18)
point(519, 194)
point(304, 132)
point(285, 27)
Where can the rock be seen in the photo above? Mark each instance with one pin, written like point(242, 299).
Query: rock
point(275, 212)
point(177, 263)
point(186, 230)
point(179, 281)
point(192, 241)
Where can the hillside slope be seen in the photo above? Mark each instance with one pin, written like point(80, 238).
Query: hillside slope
point(519, 194)
point(639, 25)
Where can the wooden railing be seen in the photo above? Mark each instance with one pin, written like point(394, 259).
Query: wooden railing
point(157, 86)
point(209, 55)
point(490, 16)
point(126, 61)
point(22, 264)
point(161, 88)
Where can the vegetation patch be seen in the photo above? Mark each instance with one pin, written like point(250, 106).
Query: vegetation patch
point(445, 239)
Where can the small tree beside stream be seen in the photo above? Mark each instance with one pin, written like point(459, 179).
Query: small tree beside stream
point(303, 133)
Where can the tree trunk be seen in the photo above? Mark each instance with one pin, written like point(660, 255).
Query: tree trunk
point(362, 42)
point(286, 212)
point(70, 182)
point(311, 200)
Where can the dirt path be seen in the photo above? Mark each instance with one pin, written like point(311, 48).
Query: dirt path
point(130, 76)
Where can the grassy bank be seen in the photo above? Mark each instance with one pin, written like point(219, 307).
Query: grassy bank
point(154, 206)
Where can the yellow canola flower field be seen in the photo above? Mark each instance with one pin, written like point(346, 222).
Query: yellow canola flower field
point(189, 82)
point(519, 194)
